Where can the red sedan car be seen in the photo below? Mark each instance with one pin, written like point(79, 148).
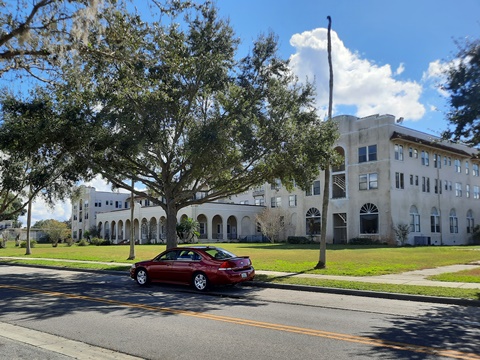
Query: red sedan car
point(200, 266)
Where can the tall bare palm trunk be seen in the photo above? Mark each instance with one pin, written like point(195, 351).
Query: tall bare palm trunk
point(322, 263)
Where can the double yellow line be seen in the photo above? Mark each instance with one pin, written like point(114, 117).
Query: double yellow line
point(260, 324)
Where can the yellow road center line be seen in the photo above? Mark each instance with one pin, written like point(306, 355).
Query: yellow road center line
point(260, 324)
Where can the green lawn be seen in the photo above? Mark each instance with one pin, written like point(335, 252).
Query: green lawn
point(467, 276)
point(341, 260)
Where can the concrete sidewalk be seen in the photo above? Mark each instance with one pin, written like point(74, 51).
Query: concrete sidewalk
point(417, 277)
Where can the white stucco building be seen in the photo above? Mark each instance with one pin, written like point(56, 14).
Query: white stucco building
point(391, 175)
point(88, 204)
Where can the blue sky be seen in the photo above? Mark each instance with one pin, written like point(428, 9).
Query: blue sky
point(386, 55)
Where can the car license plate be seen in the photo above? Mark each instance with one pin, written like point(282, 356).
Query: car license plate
point(244, 275)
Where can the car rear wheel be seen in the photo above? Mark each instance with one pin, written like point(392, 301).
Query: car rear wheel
point(200, 281)
point(141, 277)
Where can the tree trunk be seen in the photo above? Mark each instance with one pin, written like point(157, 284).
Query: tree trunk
point(29, 221)
point(322, 263)
point(132, 227)
point(171, 225)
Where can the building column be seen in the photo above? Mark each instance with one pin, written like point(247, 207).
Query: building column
point(210, 229)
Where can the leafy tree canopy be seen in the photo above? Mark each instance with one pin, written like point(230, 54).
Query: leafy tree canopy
point(35, 38)
point(10, 205)
point(34, 35)
point(463, 85)
point(33, 161)
point(55, 230)
point(173, 106)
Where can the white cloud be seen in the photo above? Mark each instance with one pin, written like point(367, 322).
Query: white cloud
point(435, 75)
point(358, 82)
point(400, 69)
point(436, 69)
point(99, 184)
point(41, 211)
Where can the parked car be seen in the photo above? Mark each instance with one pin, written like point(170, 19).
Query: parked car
point(200, 266)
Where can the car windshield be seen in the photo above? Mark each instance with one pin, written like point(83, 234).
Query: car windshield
point(220, 254)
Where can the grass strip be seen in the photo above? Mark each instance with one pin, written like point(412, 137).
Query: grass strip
point(471, 294)
point(466, 276)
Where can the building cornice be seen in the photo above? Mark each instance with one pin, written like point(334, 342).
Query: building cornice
point(434, 144)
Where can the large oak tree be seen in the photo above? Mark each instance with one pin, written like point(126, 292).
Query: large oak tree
point(173, 106)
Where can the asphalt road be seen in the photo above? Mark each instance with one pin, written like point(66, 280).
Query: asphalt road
point(110, 313)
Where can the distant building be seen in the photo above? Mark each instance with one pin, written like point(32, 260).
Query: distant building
point(6, 224)
point(9, 232)
point(391, 175)
point(88, 204)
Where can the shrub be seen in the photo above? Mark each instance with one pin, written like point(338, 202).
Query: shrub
point(99, 241)
point(299, 240)
point(363, 241)
point(23, 244)
point(401, 233)
point(475, 239)
point(82, 242)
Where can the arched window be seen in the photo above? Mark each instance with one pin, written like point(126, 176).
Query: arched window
point(470, 222)
point(106, 236)
point(453, 222)
point(414, 219)
point(369, 219)
point(434, 221)
point(312, 221)
point(339, 167)
point(144, 230)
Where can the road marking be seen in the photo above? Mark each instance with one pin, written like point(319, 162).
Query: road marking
point(265, 325)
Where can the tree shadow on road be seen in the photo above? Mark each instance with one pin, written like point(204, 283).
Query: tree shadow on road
point(48, 294)
point(453, 328)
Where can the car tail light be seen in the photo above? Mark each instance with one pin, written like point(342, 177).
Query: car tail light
point(226, 265)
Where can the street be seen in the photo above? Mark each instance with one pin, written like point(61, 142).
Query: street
point(173, 322)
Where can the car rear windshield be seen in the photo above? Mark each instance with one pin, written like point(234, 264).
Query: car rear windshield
point(220, 254)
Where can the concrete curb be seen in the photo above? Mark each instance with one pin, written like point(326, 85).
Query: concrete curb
point(372, 294)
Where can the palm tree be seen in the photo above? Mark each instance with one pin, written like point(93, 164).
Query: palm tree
point(326, 187)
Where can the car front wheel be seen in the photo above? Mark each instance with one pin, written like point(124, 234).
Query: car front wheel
point(141, 277)
point(200, 281)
